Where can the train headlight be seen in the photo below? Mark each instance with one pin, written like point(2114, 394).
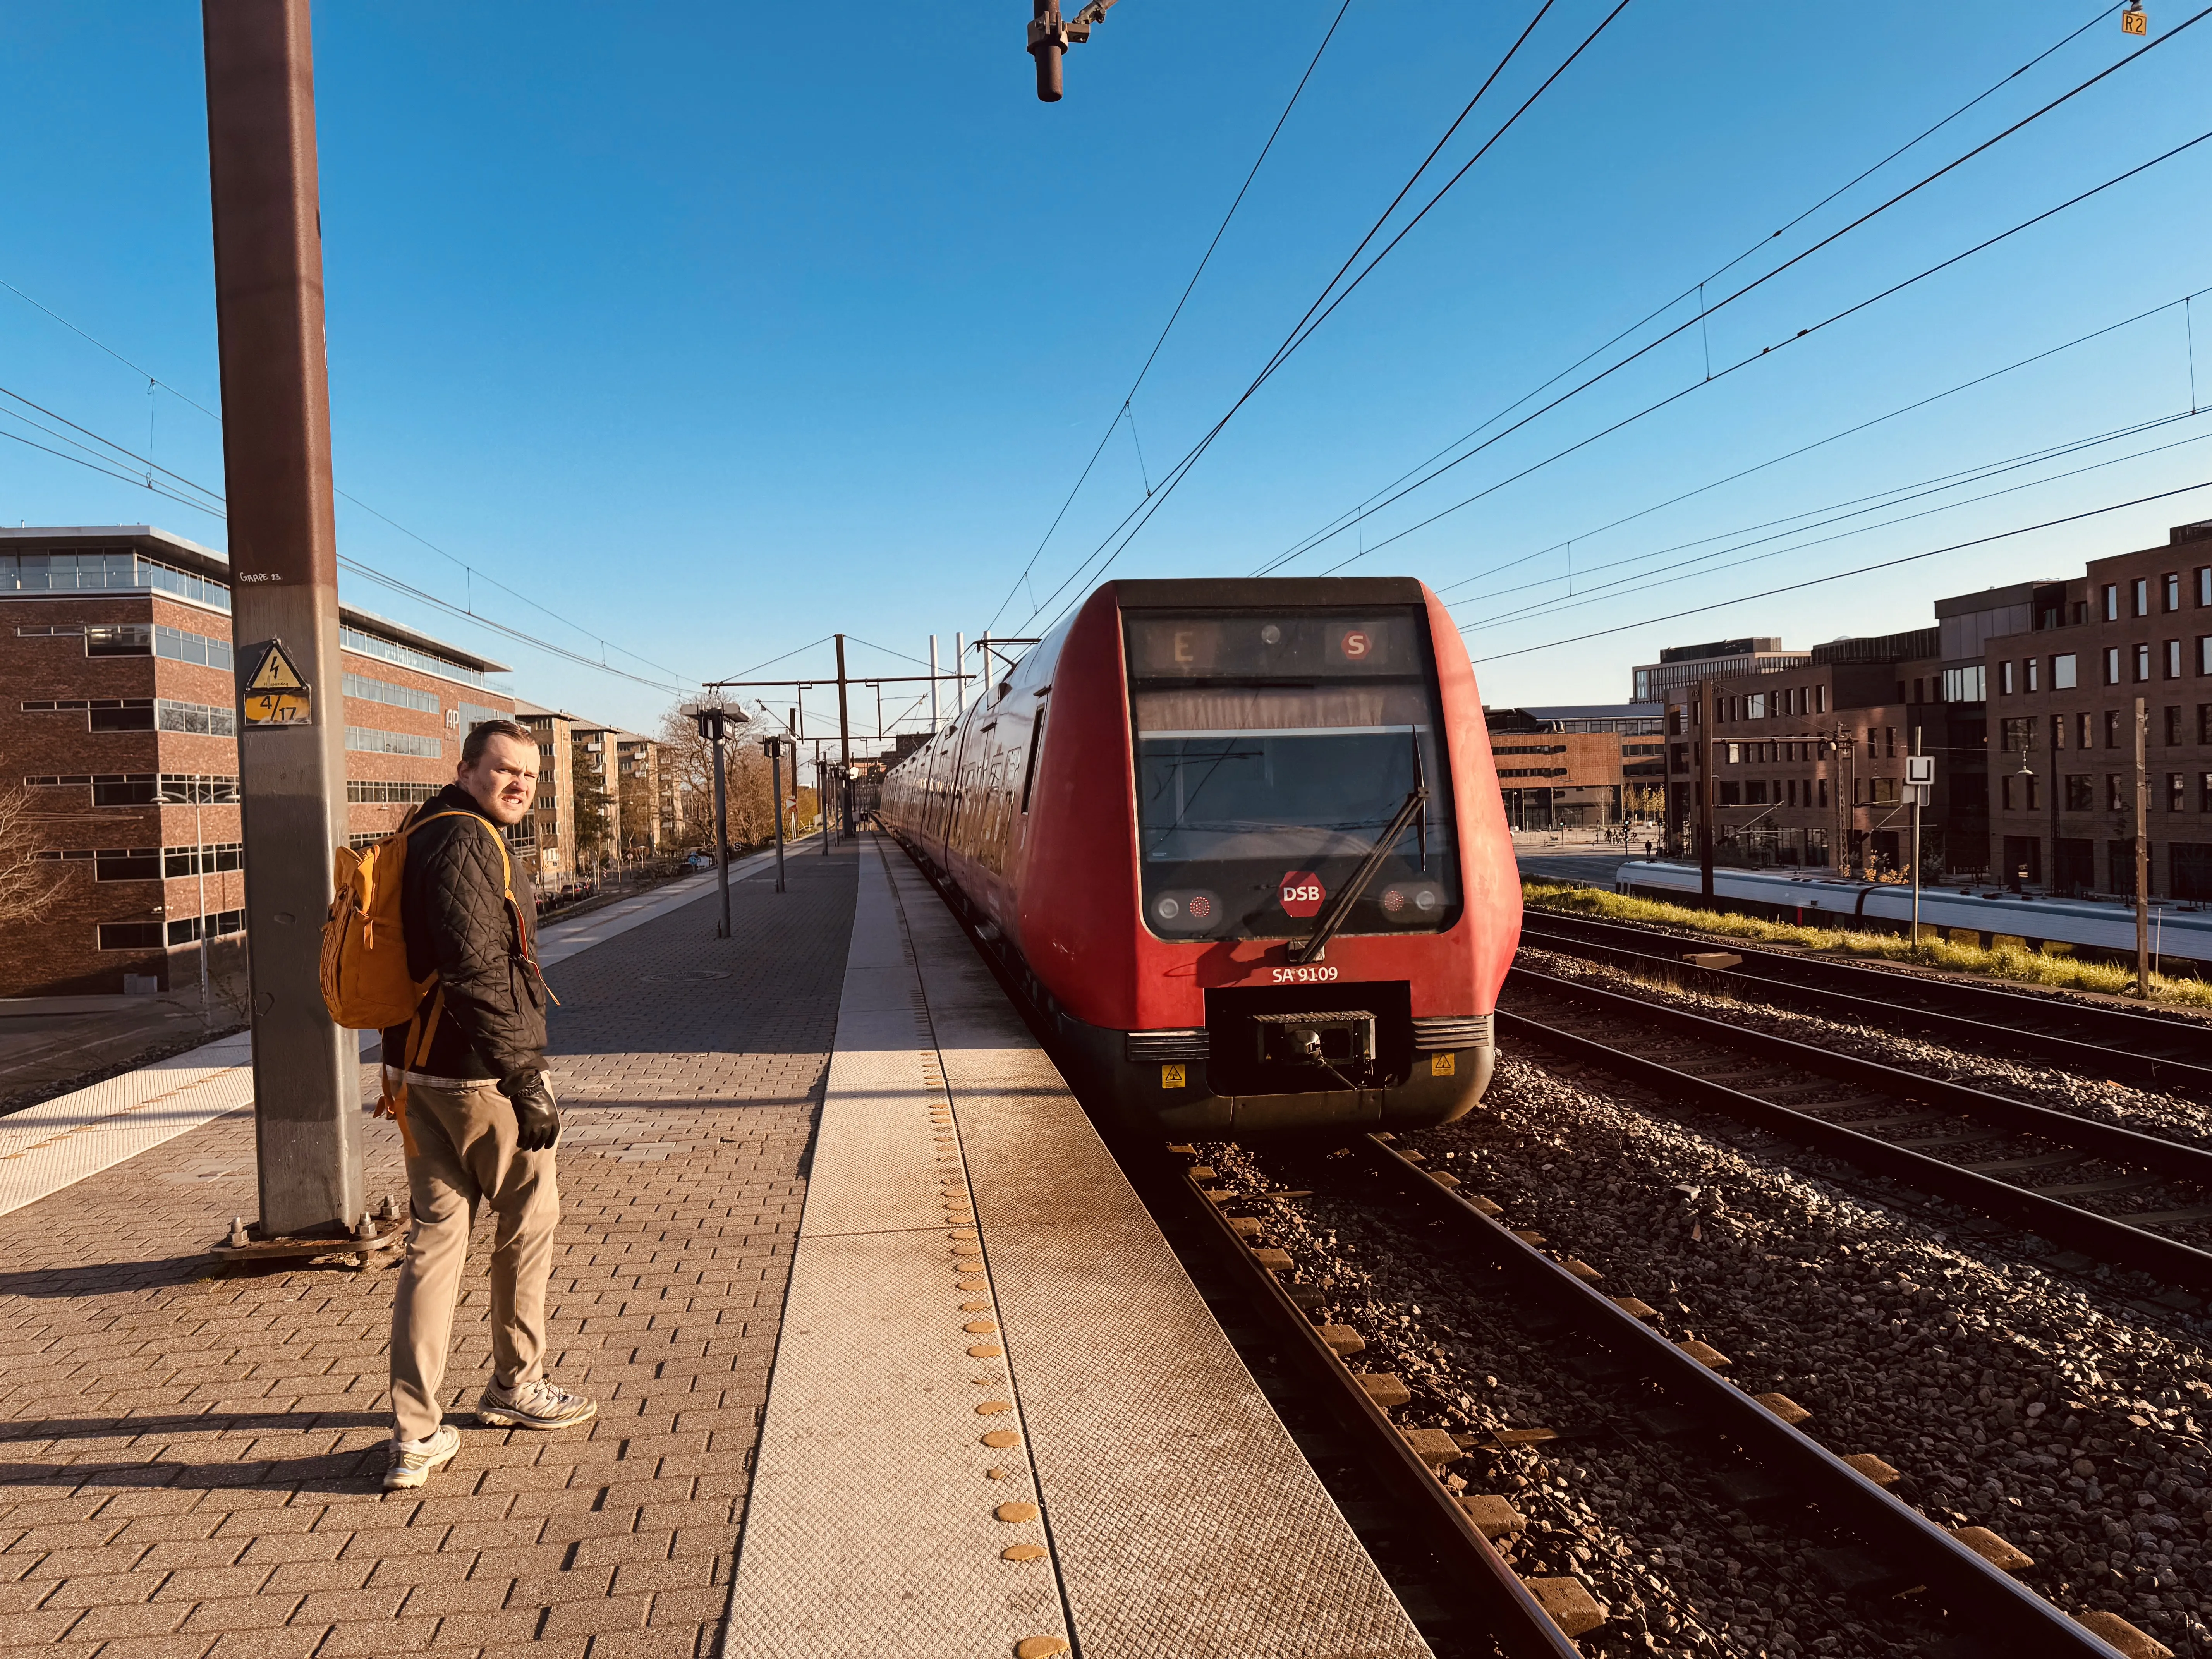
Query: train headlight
point(1167, 909)
point(1183, 910)
point(1409, 902)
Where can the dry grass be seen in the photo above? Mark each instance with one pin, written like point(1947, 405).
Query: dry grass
point(2007, 960)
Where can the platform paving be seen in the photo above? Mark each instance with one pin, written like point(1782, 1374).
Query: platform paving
point(189, 1462)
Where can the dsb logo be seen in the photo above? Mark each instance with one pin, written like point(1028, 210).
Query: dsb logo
point(1302, 893)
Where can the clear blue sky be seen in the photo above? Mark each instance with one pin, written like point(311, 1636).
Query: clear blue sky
point(717, 329)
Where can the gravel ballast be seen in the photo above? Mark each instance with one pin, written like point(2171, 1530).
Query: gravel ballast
point(2049, 1409)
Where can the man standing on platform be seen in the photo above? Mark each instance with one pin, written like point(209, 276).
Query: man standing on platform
point(466, 1079)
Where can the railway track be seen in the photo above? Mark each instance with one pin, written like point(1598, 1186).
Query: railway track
point(2164, 1052)
point(2056, 1175)
point(1751, 1449)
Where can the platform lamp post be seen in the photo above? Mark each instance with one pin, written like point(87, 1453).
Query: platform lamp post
point(267, 223)
point(713, 719)
point(773, 746)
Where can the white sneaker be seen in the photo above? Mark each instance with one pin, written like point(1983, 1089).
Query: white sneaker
point(540, 1404)
point(414, 1462)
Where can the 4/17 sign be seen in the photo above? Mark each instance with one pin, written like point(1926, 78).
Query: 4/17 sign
point(274, 694)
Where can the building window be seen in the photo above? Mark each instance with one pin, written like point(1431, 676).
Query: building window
point(368, 740)
point(2174, 659)
point(386, 691)
point(198, 789)
point(186, 930)
point(2111, 665)
point(2139, 595)
point(367, 645)
point(119, 640)
point(2082, 737)
point(1968, 684)
point(2177, 792)
point(2112, 728)
point(2062, 671)
point(371, 792)
point(2032, 665)
point(129, 935)
point(2204, 792)
point(2005, 686)
point(2111, 603)
point(121, 714)
point(210, 859)
point(2019, 734)
point(2204, 722)
point(2203, 586)
point(2173, 728)
point(1882, 791)
point(2113, 801)
point(2142, 662)
point(200, 717)
point(1823, 786)
point(134, 790)
point(180, 646)
point(2170, 585)
point(126, 863)
point(2080, 796)
point(2204, 653)
point(104, 569)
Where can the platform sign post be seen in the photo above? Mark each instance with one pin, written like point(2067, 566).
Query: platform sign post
point(844, 747)
point(1920, 787)
point(267, 224)
point(774, 747)
point(2142, 854)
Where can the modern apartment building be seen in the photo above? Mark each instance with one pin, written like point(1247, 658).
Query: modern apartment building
point(120, 717)
point(2063, 686)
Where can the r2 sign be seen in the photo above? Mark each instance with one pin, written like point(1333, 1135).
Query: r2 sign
point(1302, 893)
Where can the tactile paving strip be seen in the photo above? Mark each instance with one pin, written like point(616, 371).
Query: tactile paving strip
point(893, 1511)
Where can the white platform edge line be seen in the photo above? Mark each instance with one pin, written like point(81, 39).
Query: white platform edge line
point(107, 1109)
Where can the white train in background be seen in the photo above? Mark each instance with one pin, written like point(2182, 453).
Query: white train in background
point(2179, 929)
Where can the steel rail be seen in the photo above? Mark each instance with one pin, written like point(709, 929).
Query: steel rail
point(2103, 1237)
point(1512, 1616)
point(2122, 1043)
point(1968, 1584)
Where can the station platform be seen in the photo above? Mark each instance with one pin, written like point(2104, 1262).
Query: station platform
point(791, 1162)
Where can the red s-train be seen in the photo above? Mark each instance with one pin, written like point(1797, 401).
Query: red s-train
point(1240, 843)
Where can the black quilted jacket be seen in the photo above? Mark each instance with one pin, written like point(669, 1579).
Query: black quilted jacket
point(454, 906)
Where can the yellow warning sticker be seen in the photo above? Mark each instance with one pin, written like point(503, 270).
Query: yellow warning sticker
point(277, 708)
point(1171, 1077)
point(1444, 1065)
point(276, 671)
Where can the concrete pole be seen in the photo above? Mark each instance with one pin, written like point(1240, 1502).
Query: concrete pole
point(721, 829)
point(844, 746)
point(933, 685)
point(283, 557)
point(2142, 854)
point(774, 746)
point(1915, 850)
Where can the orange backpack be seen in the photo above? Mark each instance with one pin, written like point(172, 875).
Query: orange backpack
point(366, 984)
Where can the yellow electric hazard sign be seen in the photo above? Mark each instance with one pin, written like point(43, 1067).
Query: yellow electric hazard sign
point(274, 694)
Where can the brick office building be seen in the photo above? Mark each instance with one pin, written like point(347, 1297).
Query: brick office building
point(1809, 760)
point(1574, 767)
point(118, 712)
point(2063, 686)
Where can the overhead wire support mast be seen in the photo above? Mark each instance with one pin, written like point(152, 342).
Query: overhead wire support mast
point(1050, 38)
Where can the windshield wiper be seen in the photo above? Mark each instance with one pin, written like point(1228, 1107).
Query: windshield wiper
point(1339, 910)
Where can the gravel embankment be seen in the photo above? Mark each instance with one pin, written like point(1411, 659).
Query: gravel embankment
point(2054, 1412)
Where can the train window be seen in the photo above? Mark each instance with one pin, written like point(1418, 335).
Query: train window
point(1282, 744)
point(1037, 744)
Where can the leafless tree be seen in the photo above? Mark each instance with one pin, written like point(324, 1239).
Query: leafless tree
point(27, 882)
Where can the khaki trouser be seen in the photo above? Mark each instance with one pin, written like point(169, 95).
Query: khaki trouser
point(461, 1152)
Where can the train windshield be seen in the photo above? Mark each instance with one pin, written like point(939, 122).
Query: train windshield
point(1274, 749)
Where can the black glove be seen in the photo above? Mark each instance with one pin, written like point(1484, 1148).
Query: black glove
point(537, 1119)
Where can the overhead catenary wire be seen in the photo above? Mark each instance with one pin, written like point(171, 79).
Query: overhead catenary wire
point(474, 573)
point(1833, 437)
point(1189, 288)
point(1794, 259)
point(1357, 514)
point(1748, 359)
point(1640, 584)
point(1842, 575)
point(1324, 306)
